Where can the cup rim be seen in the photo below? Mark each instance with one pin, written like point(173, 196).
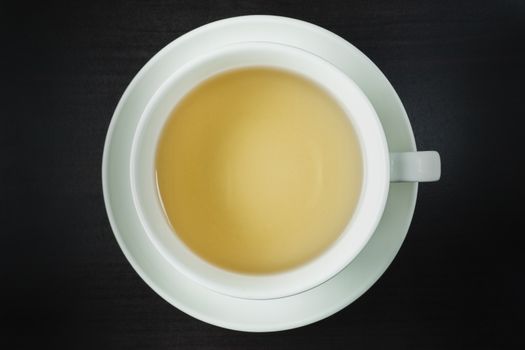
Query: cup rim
point(267, 286)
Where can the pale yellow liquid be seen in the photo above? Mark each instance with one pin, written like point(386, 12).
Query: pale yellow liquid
point(259, 170)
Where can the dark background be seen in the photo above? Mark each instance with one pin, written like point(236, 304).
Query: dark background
point(458, 66)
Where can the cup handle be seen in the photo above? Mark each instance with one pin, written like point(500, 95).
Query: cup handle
point(415, 166)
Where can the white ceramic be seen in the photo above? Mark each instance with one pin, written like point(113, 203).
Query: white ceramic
point(189, 296)
point(375, 168)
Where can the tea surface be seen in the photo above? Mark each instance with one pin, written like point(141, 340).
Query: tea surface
point(259, 170)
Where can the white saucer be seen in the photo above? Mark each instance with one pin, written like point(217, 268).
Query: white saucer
point(218, 309)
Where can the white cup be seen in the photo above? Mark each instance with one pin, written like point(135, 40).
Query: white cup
point(380, 168)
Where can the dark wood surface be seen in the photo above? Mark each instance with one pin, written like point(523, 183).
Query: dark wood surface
point(458, 66)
